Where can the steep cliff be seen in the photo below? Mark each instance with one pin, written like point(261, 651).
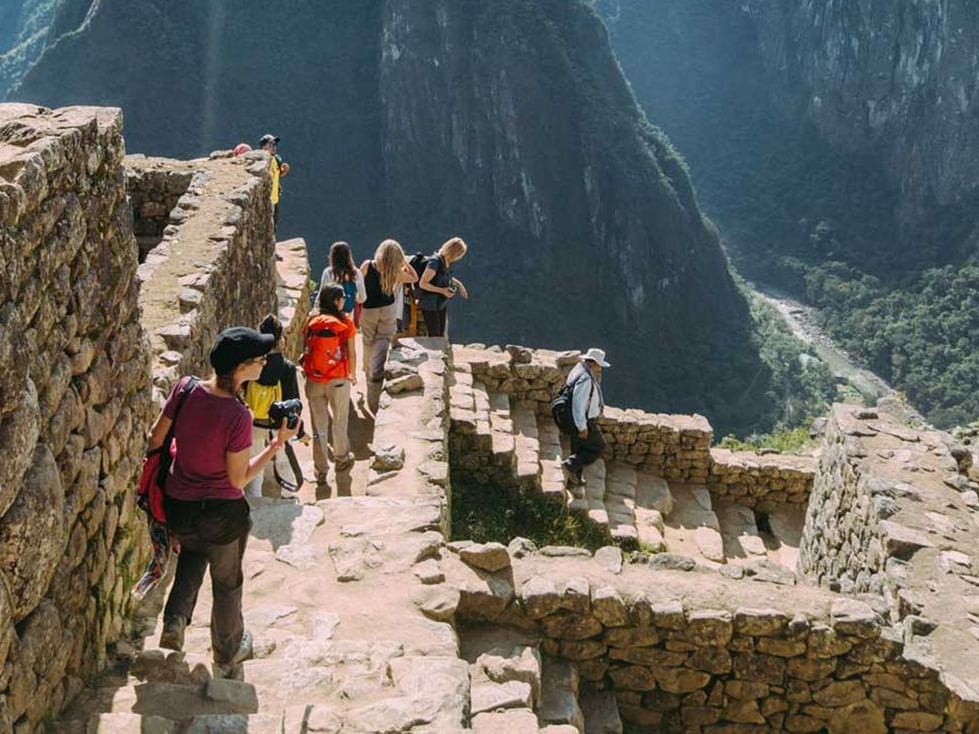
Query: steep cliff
point(835, 145)
point(27, 27)
point(510, 125)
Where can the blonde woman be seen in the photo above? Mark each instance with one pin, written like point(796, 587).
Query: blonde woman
point(438, 286)
point(378, 321)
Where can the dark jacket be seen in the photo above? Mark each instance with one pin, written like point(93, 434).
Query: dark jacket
point(279, 369)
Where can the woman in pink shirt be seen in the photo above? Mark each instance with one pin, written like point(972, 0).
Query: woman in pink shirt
point(205, 506)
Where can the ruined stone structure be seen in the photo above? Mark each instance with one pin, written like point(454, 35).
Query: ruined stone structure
point(93, 330)
point(736, 593)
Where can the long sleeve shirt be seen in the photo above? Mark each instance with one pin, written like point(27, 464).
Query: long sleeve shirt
point(327, 277)
point(586, 400)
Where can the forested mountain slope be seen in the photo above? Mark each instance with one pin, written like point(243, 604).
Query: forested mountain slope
point(508, 123)
point(836, 144)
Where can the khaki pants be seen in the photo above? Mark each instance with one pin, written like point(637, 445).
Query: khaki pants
point(328, 400)
point(377, 327)
point(260, 439)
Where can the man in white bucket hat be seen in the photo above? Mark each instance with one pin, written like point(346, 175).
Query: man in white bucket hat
point(587, 404)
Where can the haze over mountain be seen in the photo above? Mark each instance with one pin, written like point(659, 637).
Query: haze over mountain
point(836, 145)
point(508, 123)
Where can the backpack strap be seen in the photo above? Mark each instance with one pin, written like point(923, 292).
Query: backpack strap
point(165, 459)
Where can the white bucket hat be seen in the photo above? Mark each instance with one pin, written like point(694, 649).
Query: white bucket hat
point(595, 355)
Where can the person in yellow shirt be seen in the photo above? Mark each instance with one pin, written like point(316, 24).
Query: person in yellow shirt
point(277, 169)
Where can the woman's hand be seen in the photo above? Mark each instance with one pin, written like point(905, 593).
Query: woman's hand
point(285, 433)
point(448, 292)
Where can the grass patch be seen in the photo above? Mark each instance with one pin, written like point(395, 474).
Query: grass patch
point(788, 441)
point(492, 513)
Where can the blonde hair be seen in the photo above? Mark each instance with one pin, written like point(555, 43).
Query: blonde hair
point(453, 249)
point(389, 259)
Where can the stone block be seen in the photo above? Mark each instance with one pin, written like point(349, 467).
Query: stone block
point(490, 557)
point(239, 697)
point(517, 721)
point(609, 607)
point(33, 533)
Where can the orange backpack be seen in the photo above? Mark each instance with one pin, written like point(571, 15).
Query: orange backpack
point(326, 350)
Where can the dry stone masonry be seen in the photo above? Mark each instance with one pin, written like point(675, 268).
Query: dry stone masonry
point(74, 402)
point(214, 266)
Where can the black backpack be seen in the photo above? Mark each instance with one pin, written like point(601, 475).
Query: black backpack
point(561, 405)
point(418, 263)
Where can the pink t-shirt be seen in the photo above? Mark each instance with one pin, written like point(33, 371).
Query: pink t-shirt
point(207, 428)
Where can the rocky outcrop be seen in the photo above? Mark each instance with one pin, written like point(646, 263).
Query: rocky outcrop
point(894, 79)
point(868, 99)
point(529, 144)
point(74, 403)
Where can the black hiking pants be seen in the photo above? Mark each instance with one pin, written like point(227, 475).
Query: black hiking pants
point(585, 451)
point(211, 533)
point(435, 321)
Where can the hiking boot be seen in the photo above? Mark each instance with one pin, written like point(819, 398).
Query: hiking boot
point(245, 652)
point(574, 475)
point(345, 463)
point(172, 637)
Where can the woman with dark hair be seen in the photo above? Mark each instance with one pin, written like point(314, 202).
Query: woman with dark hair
point(438, 286)
point(277, 382)
point(330, 363)
point(203, 499)
point(345, 273)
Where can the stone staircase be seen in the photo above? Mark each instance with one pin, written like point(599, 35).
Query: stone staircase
point(517, 689)
point(510, 443)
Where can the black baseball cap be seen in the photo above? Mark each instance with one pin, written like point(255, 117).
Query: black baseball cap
point(266, 139)
point(236, 345)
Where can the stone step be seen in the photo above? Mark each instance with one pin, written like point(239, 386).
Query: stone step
point(128, 723)
point(527, 445)
point(551, 454)
point(462, 407)
point(740, 533)
point(692, 528)
point(179, 701)
point(559, 694)
point(601, 712)
point(784, 525)
point(620, 504)
point(501, 425)
point(653, 502)
point(481, 400)
point(594, 492)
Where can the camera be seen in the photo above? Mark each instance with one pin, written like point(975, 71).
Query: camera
point(287, 410)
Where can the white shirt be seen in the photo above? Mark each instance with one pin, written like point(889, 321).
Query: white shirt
point(587, 401)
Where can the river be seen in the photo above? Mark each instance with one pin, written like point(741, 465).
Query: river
point(804, 323)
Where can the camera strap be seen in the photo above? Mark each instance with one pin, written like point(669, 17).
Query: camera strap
point(296, 470)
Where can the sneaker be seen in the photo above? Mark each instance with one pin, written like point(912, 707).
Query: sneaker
point(245, 652)
point(172, 637)
point(573, 475)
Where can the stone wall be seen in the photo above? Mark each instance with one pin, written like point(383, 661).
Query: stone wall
point(74, 404)
point(154, 191)
point(293, 289)
point(675, 447)
point(671, 446)
point(890, 513)
point(693, 651)
point(215, 267)
point(411, 428)
point(760, 480)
